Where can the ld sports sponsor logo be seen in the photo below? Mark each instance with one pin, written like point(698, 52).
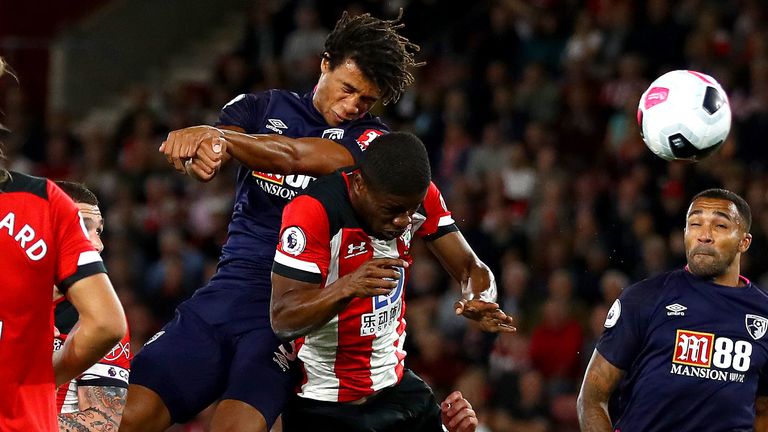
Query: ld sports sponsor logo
point(705, 355)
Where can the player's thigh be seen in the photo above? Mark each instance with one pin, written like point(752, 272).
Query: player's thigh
point(185, 365)
point(410, 405)
point(263, 372)
point(309, 415)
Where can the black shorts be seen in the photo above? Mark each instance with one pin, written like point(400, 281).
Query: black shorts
point(408, 406)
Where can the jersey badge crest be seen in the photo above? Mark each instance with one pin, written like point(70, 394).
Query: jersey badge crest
point(756, 325)
point(333, 134)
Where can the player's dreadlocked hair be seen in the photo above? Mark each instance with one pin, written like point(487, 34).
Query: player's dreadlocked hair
point(741, 205)
point(397, 164)
point(382, 54)
point(78, 192)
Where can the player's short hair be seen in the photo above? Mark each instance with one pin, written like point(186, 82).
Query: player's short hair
point(741, 204)
point(382, 54)
point(397, 164)
point(78, 192)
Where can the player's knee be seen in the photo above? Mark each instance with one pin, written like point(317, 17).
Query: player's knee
point(236, 416)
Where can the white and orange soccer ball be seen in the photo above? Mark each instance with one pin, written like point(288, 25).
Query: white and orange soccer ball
point(684, 115)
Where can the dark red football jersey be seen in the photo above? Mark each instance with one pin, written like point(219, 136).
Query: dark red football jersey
point(43, 243)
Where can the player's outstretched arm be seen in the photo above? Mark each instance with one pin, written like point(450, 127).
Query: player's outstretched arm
point(600, 380)
point(761, 414)
point(101, 409)
point(297, 307)
point(478, 285)
point(101, 326)
point(192, 150)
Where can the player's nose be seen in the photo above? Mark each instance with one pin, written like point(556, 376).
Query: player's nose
point(402, 221)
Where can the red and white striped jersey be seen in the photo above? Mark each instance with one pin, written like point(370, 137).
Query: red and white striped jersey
point(360, 350)
point(111, 371)
point(42, 242)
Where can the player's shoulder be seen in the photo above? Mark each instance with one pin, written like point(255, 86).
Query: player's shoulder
point(332, 192)
point(21, 182)
point(651, 289)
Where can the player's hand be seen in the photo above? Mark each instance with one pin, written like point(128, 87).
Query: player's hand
point(457, 414)
point(487, 314)
point(208, 159)
point(183, 144)
point(377, 276)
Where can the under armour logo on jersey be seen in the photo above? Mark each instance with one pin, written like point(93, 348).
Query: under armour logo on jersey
point(333, 134)
point(676, 309)
point(756, 325)
point(355, 250)
point(276, 125)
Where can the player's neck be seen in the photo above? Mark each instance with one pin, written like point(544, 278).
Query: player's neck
point(730, 277)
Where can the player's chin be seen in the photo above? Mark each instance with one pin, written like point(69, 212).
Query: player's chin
point(705, 266)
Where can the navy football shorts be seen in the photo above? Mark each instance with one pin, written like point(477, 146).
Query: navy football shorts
point(408, 406)
point(191, 364)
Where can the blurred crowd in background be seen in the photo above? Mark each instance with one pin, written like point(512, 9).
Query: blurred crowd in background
point(528, 109)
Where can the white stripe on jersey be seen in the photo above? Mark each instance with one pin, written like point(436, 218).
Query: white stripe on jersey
point(445, 221)
point(296, 263)
point(319, 356)
point(319, 350)
point(88, 257)
point(71, 402)
point(384, 358)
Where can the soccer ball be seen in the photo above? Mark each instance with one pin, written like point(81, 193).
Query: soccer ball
point(684, 115)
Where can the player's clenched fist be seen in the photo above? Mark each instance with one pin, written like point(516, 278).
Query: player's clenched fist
point(183, 144)
point(457, 414)
point(377, 276)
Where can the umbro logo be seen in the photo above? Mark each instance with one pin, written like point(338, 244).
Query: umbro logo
point(276, 125)
point(676, 309)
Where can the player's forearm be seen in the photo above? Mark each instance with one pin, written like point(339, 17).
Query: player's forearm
point(594, 418)
point(274, 154)
point(592, 409)
point(299, 312)
point(278, 154)
point(85, 345)
point(101, 409)
point(761, 414)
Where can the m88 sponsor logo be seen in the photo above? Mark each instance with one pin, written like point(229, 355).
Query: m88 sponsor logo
point(706, 355)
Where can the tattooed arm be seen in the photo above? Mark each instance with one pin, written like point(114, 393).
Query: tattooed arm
point(101, 409)
point(600, 380)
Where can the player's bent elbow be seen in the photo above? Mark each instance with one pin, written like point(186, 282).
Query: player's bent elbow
point(111, 330)
point(282, 331)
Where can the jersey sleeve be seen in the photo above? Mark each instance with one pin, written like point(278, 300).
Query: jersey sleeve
point(358, 138)
point(439, 221)
point(245, 111)
point(111, 371)
point(625, 324)
point(303, 252)
point(76, 258)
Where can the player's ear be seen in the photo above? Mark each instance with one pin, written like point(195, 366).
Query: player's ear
point(745, 242)
point(325, 63)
